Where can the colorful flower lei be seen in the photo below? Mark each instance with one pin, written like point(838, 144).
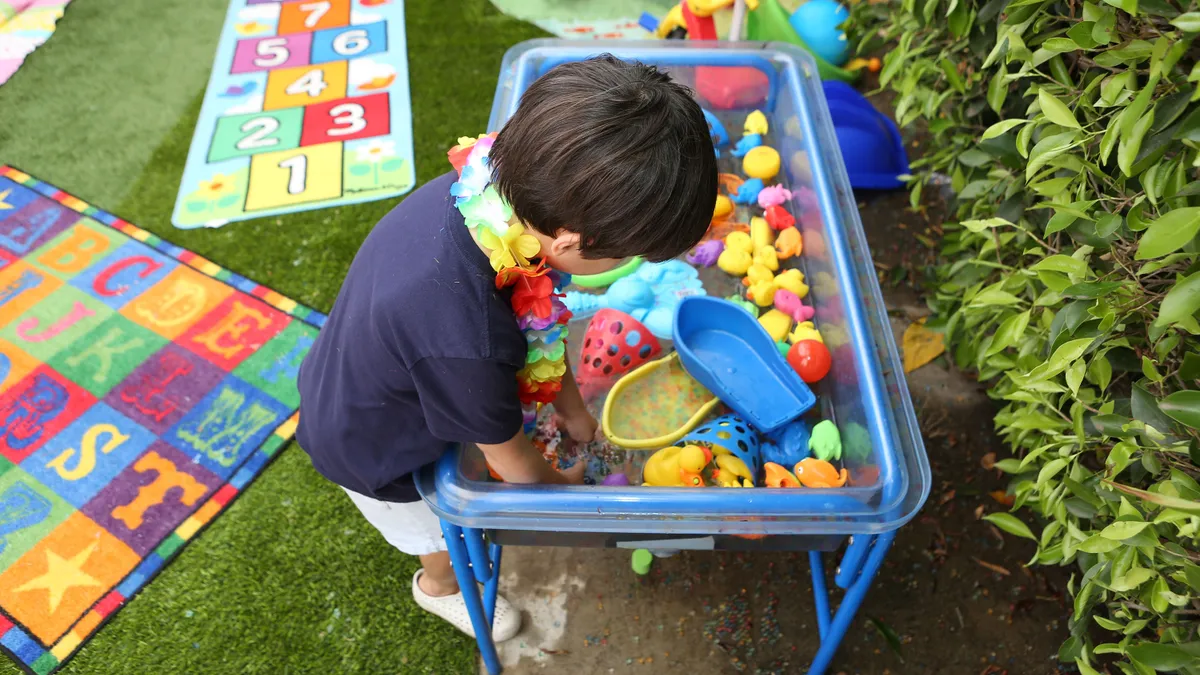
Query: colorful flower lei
point(536, 289)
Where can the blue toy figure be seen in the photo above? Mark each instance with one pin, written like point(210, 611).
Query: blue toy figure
point(788, 445)
point(748, 143)
point(649, 295)
point(747, 194)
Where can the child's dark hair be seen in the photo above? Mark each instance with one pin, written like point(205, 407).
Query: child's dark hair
point(614, 151)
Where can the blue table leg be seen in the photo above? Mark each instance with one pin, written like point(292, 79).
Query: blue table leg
point(855, 593)
point(493, 584)
point(820, 594)
point(460, 558)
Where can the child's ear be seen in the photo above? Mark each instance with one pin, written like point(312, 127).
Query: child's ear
point(566, 242)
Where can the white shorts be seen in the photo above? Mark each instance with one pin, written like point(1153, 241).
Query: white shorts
point(412, 528)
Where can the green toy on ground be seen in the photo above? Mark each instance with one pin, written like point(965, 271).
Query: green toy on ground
point(826, 442)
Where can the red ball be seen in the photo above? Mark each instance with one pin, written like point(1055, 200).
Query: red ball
point(810, 359)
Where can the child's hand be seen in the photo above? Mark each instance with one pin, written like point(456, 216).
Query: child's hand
point(574, 473)
point(580, 428)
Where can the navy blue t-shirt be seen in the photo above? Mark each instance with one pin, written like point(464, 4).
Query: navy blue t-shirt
point(420, 350)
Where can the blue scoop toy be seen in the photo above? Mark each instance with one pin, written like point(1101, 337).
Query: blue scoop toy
point(729, 352)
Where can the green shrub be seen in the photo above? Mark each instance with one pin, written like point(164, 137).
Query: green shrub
point(1070, 132)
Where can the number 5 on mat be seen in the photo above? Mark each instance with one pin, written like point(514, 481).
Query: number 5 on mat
point(295, 176)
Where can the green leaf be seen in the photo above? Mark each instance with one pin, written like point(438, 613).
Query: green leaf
point(1167, 501)
point(1150, 370)
point(1047, 149)
point(1066, 353)
point(1074, 376)
point(1000, 127)
point(1092, 289)
point(1169, 233)
point(1055, 110)
point(1189, 22)
point(1131, 143)
point(1009, 333)
point(1190, 370)
point(1138, 107)
point(1050, 470)
point(997, 91)
point(994, 298)
point(1132, 579)
point(1183, 407)
point(1129, 6)
point(1122, 529)
point(1059, 222)
point(1100, 372)
point(1098, 544)
point(1164, 657)
point(1084, 668)
point(1108, 224)
point(1181, 302)
point(1010, 524)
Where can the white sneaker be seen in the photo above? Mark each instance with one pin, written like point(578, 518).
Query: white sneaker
point(453, 608)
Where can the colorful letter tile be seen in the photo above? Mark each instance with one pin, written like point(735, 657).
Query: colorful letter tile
point(34, 224)
point(164, 388)
point(15, 364)
point(229, 424)
point(152, 496)
point(124, 274)
point(103, 357)
point(233, 331)
point(36, 409)
point(86, 456)
point(28, 512)
point(56, 322)
point(275, 367)
point(21, 287)
point(76, 248)
point(57, 580)
point(172, 305)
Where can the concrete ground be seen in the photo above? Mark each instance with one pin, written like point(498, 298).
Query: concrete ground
point(953, 596)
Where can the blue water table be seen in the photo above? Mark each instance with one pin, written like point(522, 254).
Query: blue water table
point(865, 394)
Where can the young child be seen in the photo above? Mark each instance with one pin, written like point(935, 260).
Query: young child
point(428, 345)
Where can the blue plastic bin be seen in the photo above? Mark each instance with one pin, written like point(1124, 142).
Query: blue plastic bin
point(865, 393)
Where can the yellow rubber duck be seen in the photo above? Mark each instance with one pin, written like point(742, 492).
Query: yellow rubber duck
point(732, 472)
point(777, 324)
point(762, 293)
point(793, 280)
point(758, 274)
point(735, 261)
point(739, 241)
point(756, 123)
point(761, 233)
point(805, 330)
point(676, 466)
point(766, 257)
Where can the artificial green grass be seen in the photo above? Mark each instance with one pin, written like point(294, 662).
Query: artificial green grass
point(290, 579)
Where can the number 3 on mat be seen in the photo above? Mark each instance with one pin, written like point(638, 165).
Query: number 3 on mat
point(296, 176)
